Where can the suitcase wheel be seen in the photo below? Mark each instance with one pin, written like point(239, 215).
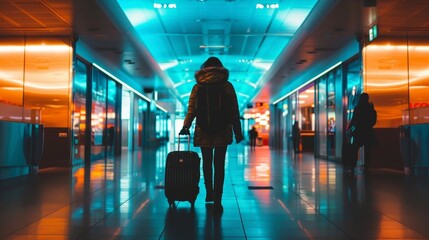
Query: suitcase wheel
point(193, 202)
point(171, 203)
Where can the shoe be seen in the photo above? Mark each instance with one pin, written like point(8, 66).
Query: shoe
point(218, 208)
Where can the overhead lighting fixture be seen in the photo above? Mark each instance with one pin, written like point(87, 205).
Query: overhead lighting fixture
point(182, 61)
point(164, 5)
point(262, 65)
point(309, 81)
point(214, 46)
point(167, 65)
point(268, 6)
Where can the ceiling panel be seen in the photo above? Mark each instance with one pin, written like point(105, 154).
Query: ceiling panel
point(247, 37)
point(20, 17)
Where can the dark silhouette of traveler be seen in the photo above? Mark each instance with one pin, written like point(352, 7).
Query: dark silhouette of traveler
point(363, 121)
point(213, 144)
point(253, 135)
point(296, 136)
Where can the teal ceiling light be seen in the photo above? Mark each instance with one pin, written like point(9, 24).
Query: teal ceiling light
point(247, 36)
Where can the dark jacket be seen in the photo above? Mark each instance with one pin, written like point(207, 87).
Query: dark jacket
point(253, 133)
point(363, 120)
point(214, 75)
point(296, 132)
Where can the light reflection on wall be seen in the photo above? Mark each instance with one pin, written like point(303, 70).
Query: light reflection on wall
point(35, 76)
point(397, 79)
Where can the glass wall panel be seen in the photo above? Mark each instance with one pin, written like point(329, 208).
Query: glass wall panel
point(295, 115)
point(331, 112)
point(306, 120)
point(79, 112)
point(11, 78)
point(47, 81)
point(142, 111)
point(286, 110)
point(161, 123)
point(125, 119)
point(112, 128)
point(158, 123)
point(386, 80)
point(99, 113)
point(418, 52)
point(306, 106)
point(322, 112)
point(353, 87)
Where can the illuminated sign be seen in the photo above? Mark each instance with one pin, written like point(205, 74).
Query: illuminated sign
point(373, 33)
point(419, 105)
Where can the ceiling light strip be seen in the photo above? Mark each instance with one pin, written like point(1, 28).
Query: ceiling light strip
point(309, 81)
point(161, 108)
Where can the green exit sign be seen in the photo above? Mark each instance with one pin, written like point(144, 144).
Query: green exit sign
point(372, 33)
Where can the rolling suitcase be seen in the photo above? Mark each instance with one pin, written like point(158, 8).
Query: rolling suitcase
point(182, 175)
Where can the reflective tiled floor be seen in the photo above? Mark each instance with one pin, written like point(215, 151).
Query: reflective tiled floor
point(124, 199)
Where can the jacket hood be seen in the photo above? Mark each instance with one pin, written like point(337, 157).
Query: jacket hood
point(212, 75)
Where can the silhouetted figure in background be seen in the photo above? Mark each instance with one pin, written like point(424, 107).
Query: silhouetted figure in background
point(363, 121)
point(253, 135)
point(296, 136)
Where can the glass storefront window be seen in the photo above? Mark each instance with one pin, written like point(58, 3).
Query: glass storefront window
point(142, 111)
point(111, 124)
point(79, 112)
point(331, 118)
point(284, 123)
point(322, 116)
point(99, 113)
point(125, 119)
point(353, 87)
point(306, 106)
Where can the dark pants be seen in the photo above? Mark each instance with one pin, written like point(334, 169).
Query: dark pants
point(252, 142)
point(219, 169)
point(295, 145)
point(366, 156)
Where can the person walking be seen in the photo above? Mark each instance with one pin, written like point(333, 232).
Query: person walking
point(296, 136)
point(253, 135)
point(361, 125)
point(213, 102)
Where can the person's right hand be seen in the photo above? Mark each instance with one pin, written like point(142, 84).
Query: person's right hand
point(184, 131)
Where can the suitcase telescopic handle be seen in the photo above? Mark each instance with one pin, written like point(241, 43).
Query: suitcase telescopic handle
point(189, 143)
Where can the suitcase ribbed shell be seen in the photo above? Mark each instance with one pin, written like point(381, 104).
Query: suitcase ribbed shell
point(182, 176)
